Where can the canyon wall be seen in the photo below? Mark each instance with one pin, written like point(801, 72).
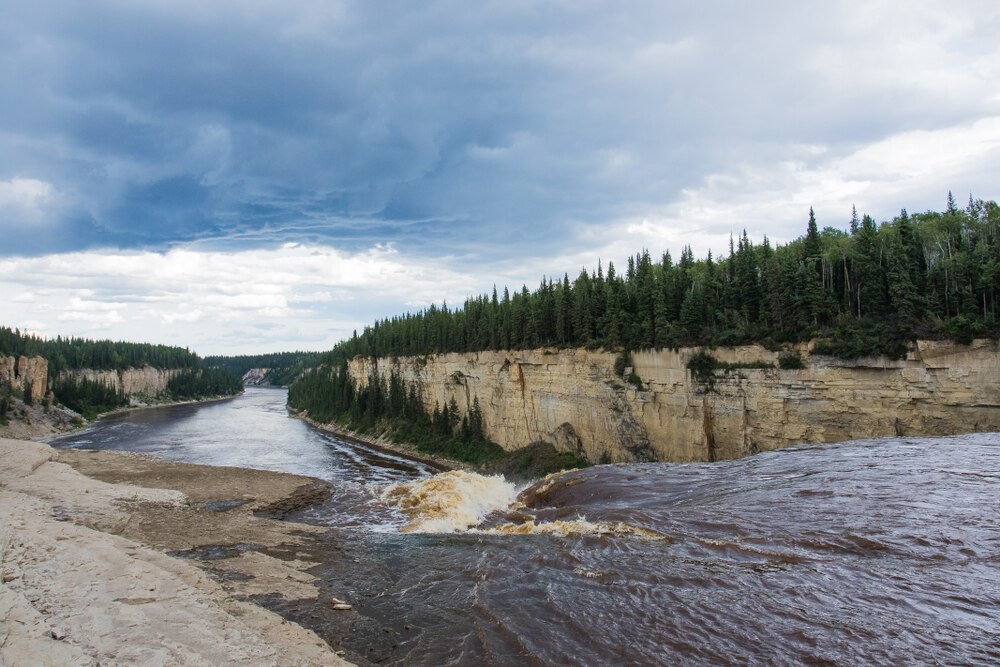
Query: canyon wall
point(142, 383)
point(256, 377)
point(575, 400)
point(17, 373)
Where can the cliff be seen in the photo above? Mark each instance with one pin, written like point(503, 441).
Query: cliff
point(18, 373)
point(574, 399)
point(256, 377)
point(143, 383)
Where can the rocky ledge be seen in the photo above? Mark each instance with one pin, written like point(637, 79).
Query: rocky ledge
point(86, 575)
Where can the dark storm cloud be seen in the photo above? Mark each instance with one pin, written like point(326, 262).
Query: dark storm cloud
point(440, 126)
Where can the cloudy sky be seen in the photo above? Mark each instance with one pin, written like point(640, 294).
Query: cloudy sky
point(256, 176)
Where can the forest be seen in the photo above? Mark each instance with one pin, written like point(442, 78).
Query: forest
point(866, 289)
point(206, 382)
point(196, 380)
point(283, 367)
point(67, 353)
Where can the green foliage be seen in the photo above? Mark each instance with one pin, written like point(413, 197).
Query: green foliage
point(390, 407)
point(198, 383)
point(853, 340)
point(634, 380)
point(283, 367)
point(622, 361)
point(4, 405)
point(75, 353)
point(87, 397)
point(791, 360)
point(899, 277)
point(704, 366)
point(961, 329)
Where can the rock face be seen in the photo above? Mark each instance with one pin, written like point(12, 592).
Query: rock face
point(138, 383)
point(574, 399)
point(256, 377)
point(18, 373)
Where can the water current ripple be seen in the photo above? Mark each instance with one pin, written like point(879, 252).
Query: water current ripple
point(866, 552)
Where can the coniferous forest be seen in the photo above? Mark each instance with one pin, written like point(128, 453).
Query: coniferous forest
point(860, 288)
point(196, 380)
point(66, 353)
point(283, 367)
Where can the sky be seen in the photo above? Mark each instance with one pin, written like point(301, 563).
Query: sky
point(257, 176)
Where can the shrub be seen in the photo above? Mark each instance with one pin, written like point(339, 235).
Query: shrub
point(960, 330)
point(703, 366)
point(791, 360)
point(623, 361)
point(634, 380)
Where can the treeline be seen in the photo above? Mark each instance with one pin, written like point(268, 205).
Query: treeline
point(87, 397)
point(866, 289)
point(193, 384)
point(390, 407)
point(283, 367)
point(75, 353)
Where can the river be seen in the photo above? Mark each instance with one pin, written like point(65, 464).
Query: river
point(877, 552)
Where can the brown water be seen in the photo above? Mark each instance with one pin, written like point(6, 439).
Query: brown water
point(870, 552)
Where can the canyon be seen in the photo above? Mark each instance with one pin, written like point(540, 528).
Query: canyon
point(32, 373)
point(24, 377)
point(575, 399)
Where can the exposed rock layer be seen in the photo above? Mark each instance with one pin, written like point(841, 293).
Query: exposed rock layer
point(141, 383)
point(256, 377)
point(18, 373)
point(574, 399)
point(83, 580)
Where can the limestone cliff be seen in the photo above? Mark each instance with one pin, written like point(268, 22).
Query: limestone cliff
point(143, 383)
point(574, 399)
point(256, 377)
point(18, 373)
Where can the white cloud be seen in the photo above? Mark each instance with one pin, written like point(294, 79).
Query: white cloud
point(912, 169)
point(24, 202)
point(302, 293)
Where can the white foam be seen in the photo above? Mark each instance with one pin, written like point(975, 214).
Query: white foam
point(450, 501)
point(575, 527)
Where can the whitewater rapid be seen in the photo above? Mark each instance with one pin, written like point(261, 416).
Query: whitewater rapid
point(461, 501)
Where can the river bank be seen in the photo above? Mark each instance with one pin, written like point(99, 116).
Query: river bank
point(520, 465)
point(384, 444)
point(36, 421)
point(165, 403)
point(109, 557)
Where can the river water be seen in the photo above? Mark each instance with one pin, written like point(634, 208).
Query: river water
point(867, 552)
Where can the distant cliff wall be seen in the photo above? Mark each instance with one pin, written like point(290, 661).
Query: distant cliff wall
point(140, 383)
point(16, 373)
point(256, 377)
point(575, 400)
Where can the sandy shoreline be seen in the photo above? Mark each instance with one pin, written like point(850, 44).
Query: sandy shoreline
point(85, 575)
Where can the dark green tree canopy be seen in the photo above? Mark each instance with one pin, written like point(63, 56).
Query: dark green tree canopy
point(867, 287)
